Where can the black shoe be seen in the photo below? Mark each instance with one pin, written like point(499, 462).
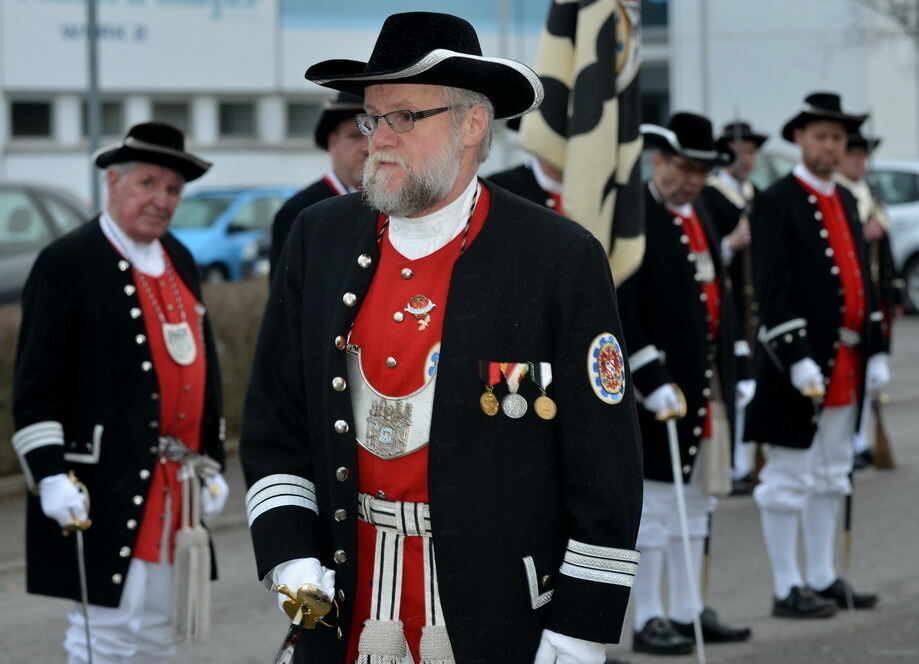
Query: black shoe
point(713, 630)
point(658, 637)
point(742, 486)
point(863, 460)
point(836, 592)
point(802, 602)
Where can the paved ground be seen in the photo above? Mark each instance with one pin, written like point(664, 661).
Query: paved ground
point(248, 626)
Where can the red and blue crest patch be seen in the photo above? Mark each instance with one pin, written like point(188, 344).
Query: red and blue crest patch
point(606, 368)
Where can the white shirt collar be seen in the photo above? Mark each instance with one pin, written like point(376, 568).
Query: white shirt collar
point(731, 181)
point(822, 186)
point(338, 184)
point(422, 236)
point(145, 257)
point(546, 182)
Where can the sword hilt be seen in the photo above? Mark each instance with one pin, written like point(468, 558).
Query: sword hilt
point(78, 524)
point(308, 606)
point(677, 413)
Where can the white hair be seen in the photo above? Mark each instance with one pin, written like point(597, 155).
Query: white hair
point(123, 168)
point(462, 99)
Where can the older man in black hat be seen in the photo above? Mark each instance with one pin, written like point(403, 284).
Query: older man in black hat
point(692, 367)
point(337, 134)
point(117, 381)
point(820, 349)
point(440, 431)
point(729, 196)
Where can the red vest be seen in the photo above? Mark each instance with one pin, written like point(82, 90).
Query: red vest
point(848, 362)
point(402, 318)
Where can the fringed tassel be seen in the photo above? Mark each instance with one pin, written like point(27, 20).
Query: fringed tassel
point(192, 572)
point(382, 642)
point(435, 645)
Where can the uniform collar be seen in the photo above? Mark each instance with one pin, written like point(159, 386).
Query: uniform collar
point(422, 236)
point(822, 187)
point(146, 257)
point(338, 185)
point(545, 182)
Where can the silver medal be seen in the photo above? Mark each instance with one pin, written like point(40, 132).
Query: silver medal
point(514, 405)
point(180, 342)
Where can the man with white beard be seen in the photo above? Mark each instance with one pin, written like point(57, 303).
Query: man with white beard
point(440, 431)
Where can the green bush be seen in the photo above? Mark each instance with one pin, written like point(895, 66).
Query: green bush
point(235, 310)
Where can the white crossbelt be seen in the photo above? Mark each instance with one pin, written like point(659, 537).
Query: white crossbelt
point(407, 519)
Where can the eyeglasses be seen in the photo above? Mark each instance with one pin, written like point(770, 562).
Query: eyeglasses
point(399, 121)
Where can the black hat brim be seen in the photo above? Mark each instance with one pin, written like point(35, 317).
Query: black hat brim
point(329, 121)
point(513, 88)
point(850, 122)
point(666, 140)
point(723, 142)
point(186, 164)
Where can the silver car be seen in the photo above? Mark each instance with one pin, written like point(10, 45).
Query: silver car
point(31, 216)
point(897, 183)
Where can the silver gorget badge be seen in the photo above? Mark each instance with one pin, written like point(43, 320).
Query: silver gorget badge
point(389, 428)
point(705, 268)
point(180, 342)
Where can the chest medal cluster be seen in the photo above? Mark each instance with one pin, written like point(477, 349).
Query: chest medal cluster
point(514, 404)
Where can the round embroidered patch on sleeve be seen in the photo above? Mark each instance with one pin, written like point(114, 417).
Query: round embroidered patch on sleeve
point(606, 368)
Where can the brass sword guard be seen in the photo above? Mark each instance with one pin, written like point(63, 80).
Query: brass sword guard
point(77, 524)
point(680, 411)
point(308, 606)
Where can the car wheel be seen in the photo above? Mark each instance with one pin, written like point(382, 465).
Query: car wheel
point(911, 284)
point(214, 274)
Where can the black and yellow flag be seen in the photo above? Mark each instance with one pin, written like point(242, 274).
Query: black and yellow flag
point(587, 126)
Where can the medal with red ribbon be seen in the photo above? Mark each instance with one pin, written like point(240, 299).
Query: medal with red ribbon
point(490, 375)
point(514, 405)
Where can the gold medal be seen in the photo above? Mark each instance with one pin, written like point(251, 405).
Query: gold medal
point(489, 403)
point(545, 407)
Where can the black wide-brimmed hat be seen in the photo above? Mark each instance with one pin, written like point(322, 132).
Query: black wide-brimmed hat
point(857, 140)
point(435, 49)
point(154, 143)
point(689, 135)
point(822, 106)
point(344, 107)
point(740, 130)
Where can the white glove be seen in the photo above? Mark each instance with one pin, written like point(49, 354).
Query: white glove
point(555, 648)
point(214, 494)
point(806, 376)
point(662, 400)
point(61, 500)
point(877, 373)
point(745, 389)
point(295, 573)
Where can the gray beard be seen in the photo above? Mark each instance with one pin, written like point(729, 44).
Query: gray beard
point(422, 189)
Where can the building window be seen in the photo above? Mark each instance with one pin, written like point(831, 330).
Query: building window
point(177, 114)
point(302, 119)
point(111, 121)
point(237, 119)
point(30, 119)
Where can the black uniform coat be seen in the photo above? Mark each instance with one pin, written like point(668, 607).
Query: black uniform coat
point(521, 181)
point(79, 364)
point(668, 335)
point(533, 286)
point(725, 215)
point(800, 296)
point(287, 214)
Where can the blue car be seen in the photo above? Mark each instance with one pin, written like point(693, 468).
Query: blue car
point(227, 229)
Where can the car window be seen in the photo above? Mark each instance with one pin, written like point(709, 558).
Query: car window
point(200, 212)
point(258, 214)
point(65, 217)
point(22, 226)
point(896, 186)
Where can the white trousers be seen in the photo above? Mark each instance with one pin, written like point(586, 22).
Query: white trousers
point(139, 631)
point(659, 519)
point(790, 476)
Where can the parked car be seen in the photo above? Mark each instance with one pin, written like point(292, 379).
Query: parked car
point(31, 216)
point(225, 228)
point(897, 182)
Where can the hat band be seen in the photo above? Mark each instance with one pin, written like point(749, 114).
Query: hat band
point(437, 56)
point(674, 142)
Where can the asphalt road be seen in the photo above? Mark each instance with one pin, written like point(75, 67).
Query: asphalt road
point(247, 626)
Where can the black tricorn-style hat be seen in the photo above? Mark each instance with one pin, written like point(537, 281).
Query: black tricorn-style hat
point(154, 143)
point(857, 140)
point(822, 106)
point(689, 135)
point(436, 49)
point(335, 111)
point(740, 130)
